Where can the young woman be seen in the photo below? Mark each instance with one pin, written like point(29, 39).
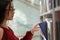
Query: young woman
point(7, 13)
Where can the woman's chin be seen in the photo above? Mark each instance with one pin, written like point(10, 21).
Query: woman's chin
point(10, 19)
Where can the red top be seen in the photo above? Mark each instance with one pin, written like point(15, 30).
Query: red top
point(8, 34)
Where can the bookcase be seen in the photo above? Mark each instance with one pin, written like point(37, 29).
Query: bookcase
point(50, 9)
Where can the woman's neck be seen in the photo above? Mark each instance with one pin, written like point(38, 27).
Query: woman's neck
point(4, 24)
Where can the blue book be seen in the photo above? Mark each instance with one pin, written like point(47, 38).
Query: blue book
point(43, 27)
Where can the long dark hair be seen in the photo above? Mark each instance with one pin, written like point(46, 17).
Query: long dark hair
point(3, 6)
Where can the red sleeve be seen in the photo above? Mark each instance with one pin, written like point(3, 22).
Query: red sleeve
point(28, 36)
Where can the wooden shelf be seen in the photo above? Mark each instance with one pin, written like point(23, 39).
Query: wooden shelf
point(50, 11)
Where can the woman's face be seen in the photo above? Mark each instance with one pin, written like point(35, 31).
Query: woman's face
point(9, 12)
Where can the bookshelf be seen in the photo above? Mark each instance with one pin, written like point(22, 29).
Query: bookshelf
point(52, 7)
point(50, 11)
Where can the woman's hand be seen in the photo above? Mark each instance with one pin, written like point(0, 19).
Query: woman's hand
point(36, 28)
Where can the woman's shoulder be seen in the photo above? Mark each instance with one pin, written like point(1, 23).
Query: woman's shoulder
point(1, 30)
point(1, 33)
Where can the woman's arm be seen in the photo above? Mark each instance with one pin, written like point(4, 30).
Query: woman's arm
point(28, 36)
point(30, 33)
point(1, 33)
